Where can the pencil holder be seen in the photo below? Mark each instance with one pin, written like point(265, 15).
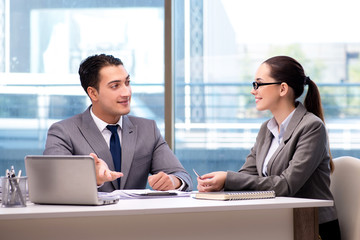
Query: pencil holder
point(13, 191)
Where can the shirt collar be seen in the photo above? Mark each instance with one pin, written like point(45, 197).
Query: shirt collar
point(273, 126)
point(100, 123)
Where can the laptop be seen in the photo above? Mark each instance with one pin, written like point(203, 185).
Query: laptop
point(64, 180)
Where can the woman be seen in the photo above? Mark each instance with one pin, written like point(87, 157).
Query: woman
point(291, 154)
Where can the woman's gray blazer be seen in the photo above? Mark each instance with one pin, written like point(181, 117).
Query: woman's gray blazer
point(298, 168)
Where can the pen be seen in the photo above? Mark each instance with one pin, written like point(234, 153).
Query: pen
point(6, 190)
point(12, 189)
point(198, 175)
point(22, 200)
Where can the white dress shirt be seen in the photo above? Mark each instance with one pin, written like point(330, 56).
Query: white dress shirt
point(102, 127)
point(278, 137)
point(107, 135)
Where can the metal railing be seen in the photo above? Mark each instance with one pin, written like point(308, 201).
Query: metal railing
point(228, 116)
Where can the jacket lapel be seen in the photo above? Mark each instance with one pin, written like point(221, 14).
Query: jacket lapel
point(128, 142)
point(95, 139)
point(295, 120)
point(263, 151)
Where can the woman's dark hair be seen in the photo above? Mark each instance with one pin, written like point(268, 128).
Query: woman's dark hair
point(288, 70)
point(89, 69)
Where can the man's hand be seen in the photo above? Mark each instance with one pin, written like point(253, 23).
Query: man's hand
point(164, 182)
point(103, 173)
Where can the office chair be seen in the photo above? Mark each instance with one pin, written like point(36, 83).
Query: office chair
point(345, 187)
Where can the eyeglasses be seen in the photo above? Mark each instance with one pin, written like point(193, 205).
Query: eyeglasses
point(256, 85)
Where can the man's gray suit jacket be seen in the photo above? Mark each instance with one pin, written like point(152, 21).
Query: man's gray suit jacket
point(143, 149)
point(298, 168)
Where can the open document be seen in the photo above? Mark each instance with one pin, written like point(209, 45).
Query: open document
point(145, 193)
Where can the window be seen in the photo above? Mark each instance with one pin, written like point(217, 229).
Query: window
point(42, 44)
point(218, 46)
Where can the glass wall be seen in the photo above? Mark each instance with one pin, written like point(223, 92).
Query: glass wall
point(218, 46)
point(41, 46)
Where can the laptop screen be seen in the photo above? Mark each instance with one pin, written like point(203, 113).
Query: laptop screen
point(61, 179)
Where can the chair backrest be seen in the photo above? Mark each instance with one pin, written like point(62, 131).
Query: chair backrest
point(345, 187)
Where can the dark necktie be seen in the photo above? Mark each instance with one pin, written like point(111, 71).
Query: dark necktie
point(115, 148)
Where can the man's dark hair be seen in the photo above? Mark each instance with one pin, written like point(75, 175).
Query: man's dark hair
point(89, 69)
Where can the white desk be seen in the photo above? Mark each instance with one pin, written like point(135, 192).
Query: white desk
point(166, 218)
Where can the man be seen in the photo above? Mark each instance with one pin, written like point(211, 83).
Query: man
point(143, 151)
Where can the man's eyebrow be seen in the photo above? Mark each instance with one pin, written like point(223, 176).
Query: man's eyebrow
point(258, 79)
point(113, 81)
point(117, 80)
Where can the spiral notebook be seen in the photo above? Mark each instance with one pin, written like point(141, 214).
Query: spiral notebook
point(234, 195)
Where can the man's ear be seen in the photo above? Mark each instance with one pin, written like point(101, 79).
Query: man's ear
point(93, 93)
point(284, 88)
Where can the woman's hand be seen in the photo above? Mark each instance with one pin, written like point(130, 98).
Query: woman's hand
point(211, 182)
